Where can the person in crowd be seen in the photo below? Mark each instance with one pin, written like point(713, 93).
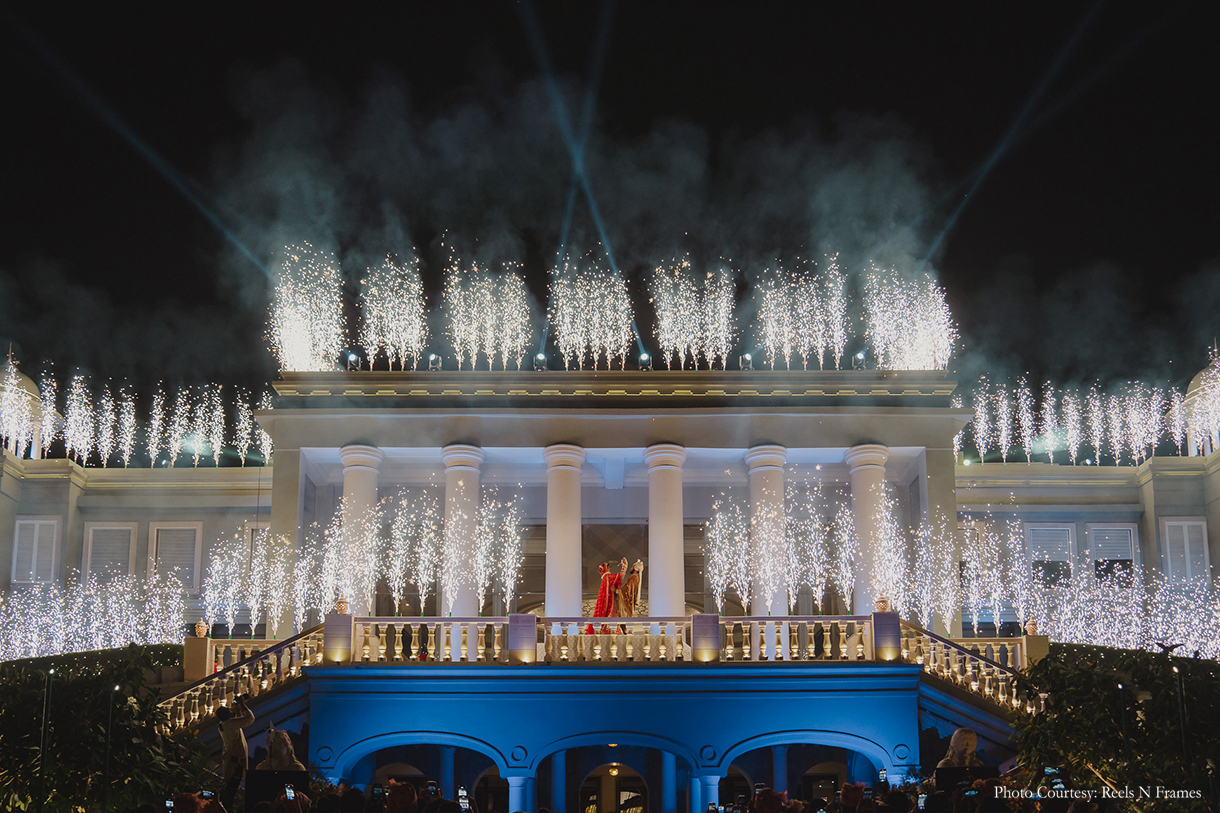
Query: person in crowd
point(235, 756)
point(401, 798)
point(328, 802)
point(449, 806)
point(897, 801)
point(280, 754)
point(352, 801)
point(434, 805)
point(962, 747)
point(298, 804)
point(261, 807)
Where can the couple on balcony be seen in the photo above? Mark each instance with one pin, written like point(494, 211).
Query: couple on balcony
point(619, 594)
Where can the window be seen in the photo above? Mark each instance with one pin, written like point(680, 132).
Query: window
point(173, 551)
point(1112, 551)
point(110, 549)
point(35, 540)
point(1185, 549)
point(1050, 552)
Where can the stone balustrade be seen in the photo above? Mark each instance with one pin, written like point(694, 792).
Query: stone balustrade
point(986, 667)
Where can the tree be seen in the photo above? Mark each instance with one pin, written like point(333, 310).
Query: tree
point(1113, 718)
point(145, 766)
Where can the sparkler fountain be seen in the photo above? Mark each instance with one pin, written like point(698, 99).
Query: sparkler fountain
point(488, 315)
point(394, 321)
point(307, 327)
point(590, 314)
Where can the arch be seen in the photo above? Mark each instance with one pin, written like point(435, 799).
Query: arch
point(874, 751)
point(618, 738)
point(349, 756)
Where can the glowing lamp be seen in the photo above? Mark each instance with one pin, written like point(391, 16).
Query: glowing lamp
point(645, 362)
point(540, 362)
point(434, 362)
point(614, 771)
point(745, 361)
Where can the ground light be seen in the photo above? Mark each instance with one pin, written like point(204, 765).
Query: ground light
point(540, 362)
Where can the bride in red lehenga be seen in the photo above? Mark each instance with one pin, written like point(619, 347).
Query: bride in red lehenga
point(606, 606)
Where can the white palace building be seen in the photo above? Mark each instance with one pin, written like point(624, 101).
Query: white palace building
point(667, 712)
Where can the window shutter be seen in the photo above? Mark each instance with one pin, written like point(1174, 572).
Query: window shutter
point(1050, 552)
point(34, 551)
point(110, 553)
point(23, 555)
point(1112, 543)
point(176, 555)
point(1113, 554)
point(44, 565)
point(1175, 543)
point(1196, 554)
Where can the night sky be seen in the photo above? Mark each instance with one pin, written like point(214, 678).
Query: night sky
point(760, 133)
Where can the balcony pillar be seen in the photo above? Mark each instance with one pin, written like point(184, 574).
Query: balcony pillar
point(669, 783)
point(766, 467)
point(559, 782)
point(360, 466)
point(563, 529)
point(779, 768)
point(462, 464)
point(866, 466)
point(516, 793)
point(666, 568)
point(448, 754)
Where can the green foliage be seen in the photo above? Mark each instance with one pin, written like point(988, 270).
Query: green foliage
point(144, 765)
point(1098, 734)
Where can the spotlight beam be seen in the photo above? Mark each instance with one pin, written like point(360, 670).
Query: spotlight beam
point(575, 148)
point(586, 124)
point(94, 103)
point(1052, 73)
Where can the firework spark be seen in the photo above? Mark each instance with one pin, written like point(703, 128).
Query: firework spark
point(307, 327)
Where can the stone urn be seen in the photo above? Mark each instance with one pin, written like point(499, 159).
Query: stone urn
point(341, 606)
point(1031, 627)
point(201, 629)
point(883, 604)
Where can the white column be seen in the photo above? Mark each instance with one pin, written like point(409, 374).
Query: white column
point(866, 464)
point(462, 463)
point(766, 467)
point(360, 465)
point(563, 529)
point(666, 582)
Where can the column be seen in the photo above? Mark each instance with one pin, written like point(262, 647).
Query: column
point(779, 768)
point(694, 804)
point(287, 485)
point(531, 793)
point(666, 576)
point(559, 782)
point(516, 793)
point(866, 464)
point(360, 465)
point(448, 789)
point(462, 463)
point(563, 529)
point(766, 467)
point(669, 783)
point(709, 790)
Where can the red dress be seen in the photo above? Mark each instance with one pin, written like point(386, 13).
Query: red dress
point(605, 607)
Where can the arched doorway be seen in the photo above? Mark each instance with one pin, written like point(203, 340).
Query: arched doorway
point(490, 792)
point(821, 781)
point(613, 788)
point(735, 788)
